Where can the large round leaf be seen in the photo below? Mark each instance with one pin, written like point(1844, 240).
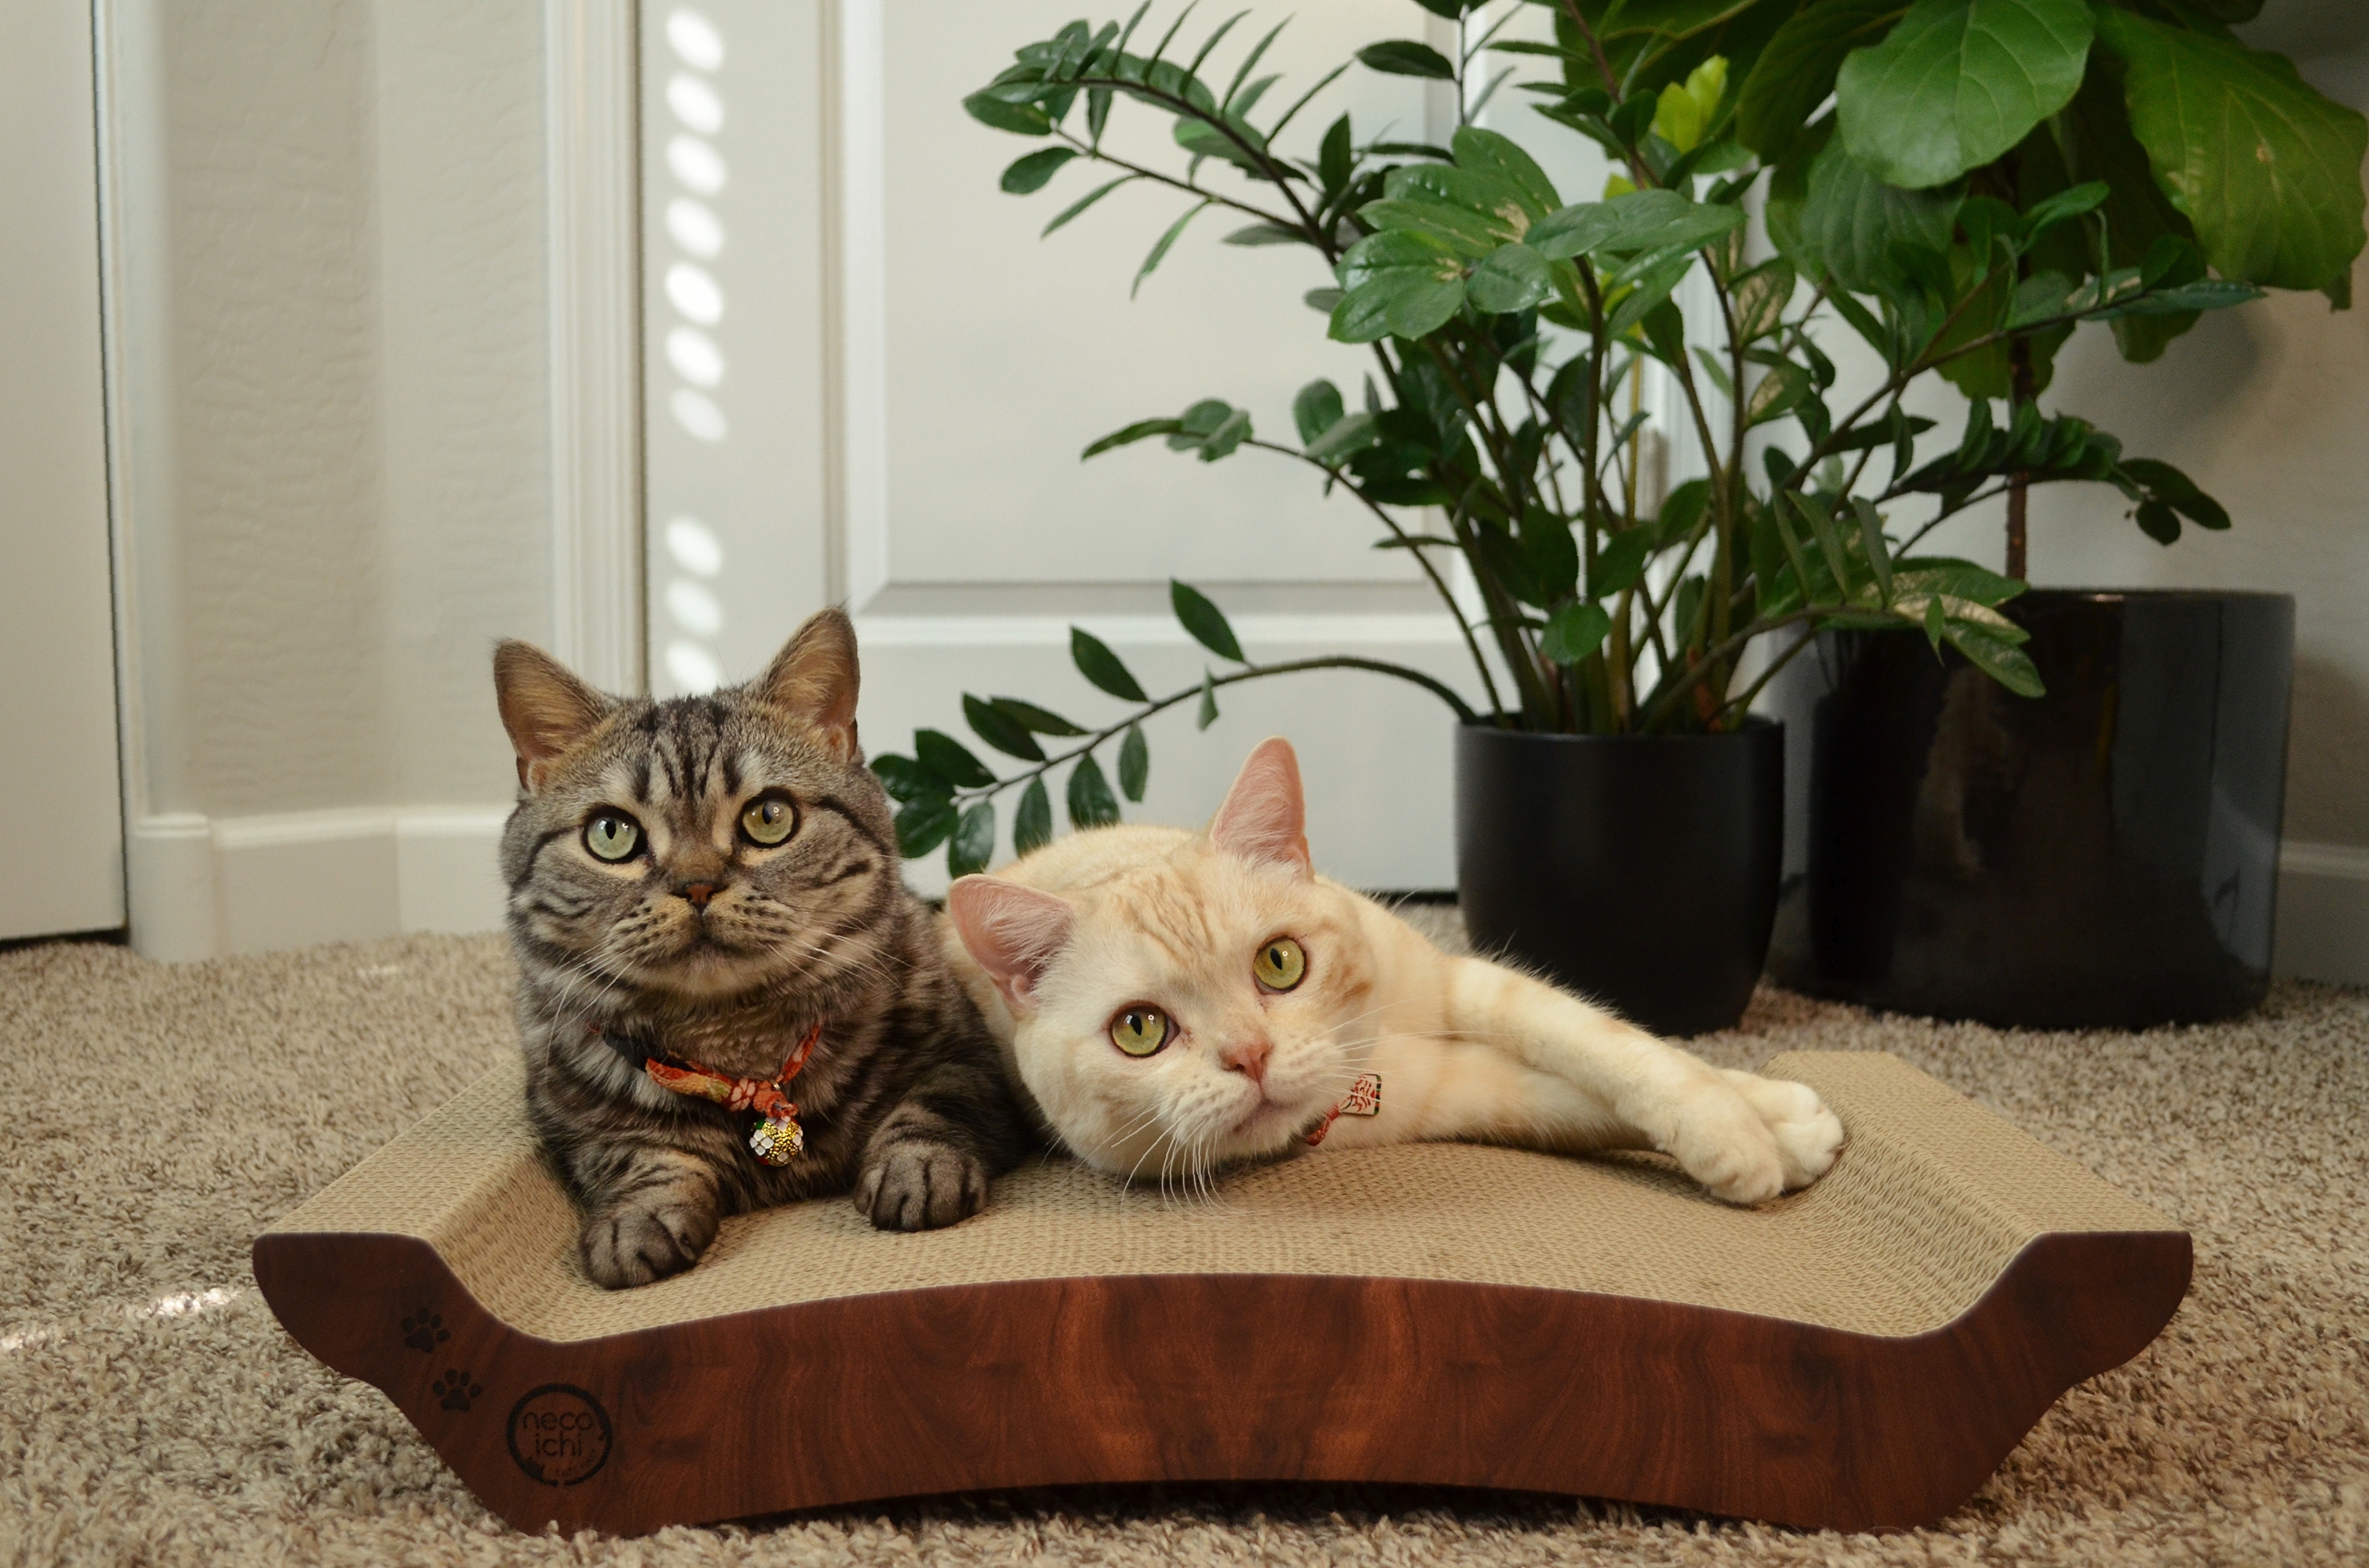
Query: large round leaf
point(1796, 71)
point(1850, 221)
point(2267, 169)
point(1957, 83)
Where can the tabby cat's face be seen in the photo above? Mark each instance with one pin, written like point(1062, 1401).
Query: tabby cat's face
point(1203, 1011)
point(697, 847)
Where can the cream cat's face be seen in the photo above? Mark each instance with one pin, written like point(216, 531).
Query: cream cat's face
point(1195, 1016)
point(1204, 1006)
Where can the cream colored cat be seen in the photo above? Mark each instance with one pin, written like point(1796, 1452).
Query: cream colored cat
point(1176, 1002)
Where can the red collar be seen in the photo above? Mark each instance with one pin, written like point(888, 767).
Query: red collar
point(778, 1137)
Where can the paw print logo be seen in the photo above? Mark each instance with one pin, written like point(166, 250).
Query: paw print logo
point(455, 1391)
point(424, 1330)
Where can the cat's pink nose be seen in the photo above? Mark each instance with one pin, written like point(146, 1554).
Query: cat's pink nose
point(1248, 1056)
point(698, 893)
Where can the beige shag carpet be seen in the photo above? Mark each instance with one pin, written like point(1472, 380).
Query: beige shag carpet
point(151, 1411)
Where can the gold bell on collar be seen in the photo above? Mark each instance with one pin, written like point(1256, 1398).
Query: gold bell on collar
point(777, 1140)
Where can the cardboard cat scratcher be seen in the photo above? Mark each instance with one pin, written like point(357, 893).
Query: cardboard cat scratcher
point(1857, 1356)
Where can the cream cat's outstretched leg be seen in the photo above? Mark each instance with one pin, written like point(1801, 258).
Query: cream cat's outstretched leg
point(1744, 1136)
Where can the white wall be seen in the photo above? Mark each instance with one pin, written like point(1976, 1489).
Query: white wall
point(327, 242)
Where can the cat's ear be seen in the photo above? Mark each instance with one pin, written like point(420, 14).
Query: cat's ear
point(814, 678)
point(1264, 818)
point(1016, 933)
point(546, 709)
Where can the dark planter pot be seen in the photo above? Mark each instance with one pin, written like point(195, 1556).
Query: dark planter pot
point(2105, 856)
point(1638, 870)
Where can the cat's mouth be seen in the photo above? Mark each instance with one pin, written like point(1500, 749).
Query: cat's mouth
point(1267, 1115)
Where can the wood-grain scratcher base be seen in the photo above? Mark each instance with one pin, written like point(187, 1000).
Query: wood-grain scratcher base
point(1859, 1355)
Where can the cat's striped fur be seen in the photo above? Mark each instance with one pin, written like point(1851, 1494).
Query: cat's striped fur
point(708, 947)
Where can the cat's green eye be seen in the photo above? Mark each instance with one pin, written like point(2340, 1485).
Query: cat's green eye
point(1140, 1030)
point(769, 819)
point(1280, 963)
point(611, 835)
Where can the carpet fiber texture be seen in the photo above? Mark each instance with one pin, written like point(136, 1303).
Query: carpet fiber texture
point(154, 1119)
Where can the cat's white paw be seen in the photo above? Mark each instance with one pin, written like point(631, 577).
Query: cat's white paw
point(1723, 1143)
point(1808, 1135)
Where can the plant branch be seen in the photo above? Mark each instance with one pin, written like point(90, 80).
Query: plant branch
point(1447, 595)
point(1463, 709)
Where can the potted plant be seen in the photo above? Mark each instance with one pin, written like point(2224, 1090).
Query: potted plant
point(2107, 854)
point(1619, 810)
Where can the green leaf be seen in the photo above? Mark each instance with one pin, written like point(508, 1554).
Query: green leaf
point(1851, 222)
point(1575, 632)
point(1266, 233)
point(1204, 620)
point(1134, 763)
point(1032, 824)
point(1160, 247)
point(1030, 172)
point(974, 840)
point(1234, 429)
point(950, 759)
point(1315, 410)
point(1497, 157)
point(1778, 393)
point(1082, 202)
point(1001, 730)
point(1349, 434)
point(1997, 657)
point(905, 779)
point(1132, 434)
point(1957, 83)
point(1796, 70)
point(1040, 721)
point(1021, 118)
point(923, 824)
point(1404, 57)
point(1879, 552)
point(2267, 169)
point(1395, 250)
point(1621, 561)
point(1402, 303)
point(1513, 279)
point(2159, 523)
point(1208, 713)
point(1098, 664)
point(1091, 804)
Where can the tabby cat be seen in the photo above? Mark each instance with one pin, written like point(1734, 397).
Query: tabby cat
point(702, 890)
point(1174, 1002)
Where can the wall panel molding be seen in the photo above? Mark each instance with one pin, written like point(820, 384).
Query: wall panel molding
point(592, 128)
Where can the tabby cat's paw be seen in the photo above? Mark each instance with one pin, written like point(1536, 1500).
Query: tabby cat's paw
point(920, 1186)
point(1808, 1135)
point(634, 1244)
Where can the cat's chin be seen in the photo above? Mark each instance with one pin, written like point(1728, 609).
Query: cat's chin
point(1266, 1130)
point(707, 973)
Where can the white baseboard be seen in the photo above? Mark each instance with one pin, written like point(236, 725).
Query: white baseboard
point(203, 888)
point(2323, 913)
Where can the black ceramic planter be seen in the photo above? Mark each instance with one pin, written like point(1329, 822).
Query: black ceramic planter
point(2104, 856)
point(1638, 870)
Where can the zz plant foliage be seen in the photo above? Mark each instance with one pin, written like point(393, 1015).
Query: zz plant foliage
point(1958, 183)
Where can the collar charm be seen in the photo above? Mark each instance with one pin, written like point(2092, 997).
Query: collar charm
point(1364, 1099)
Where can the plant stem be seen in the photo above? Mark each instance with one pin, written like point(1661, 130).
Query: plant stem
point(2019, 359)
point(1464, 712)
point(1447, 595)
